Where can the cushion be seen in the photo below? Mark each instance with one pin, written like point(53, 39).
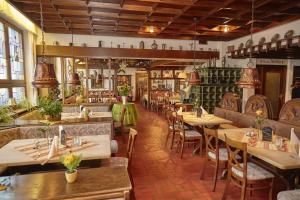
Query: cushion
point(289, 195)
point(114, 146)
point(114, 162)
point(223, 154)
point(176, 126)
point(191, 134)
point(254, 172)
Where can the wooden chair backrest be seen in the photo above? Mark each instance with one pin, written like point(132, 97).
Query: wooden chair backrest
point(170, 117)
point(131, 142)
point(180, 122)
point(123, 111)
point(211, 141)
point(237, 150)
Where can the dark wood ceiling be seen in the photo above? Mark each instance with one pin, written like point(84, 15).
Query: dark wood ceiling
point(172, 18)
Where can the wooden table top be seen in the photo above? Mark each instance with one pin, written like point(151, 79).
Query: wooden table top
point(208, 119)
point(279, 159)
point(52, 185)
point(10, 156)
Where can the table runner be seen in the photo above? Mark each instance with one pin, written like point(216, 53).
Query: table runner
point(42, 152)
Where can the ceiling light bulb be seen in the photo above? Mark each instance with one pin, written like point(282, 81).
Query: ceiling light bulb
point(226, 29)
point(151, 29)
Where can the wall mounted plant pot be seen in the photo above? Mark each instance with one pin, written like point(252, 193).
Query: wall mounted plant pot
point(71, 177)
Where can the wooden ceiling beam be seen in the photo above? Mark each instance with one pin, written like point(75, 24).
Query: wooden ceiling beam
point(59, 15)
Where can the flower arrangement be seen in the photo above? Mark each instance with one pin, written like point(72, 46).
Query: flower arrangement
point(71, 161)
point(259, 120)
point(124, 90)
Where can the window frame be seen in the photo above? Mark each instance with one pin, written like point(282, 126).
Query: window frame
point(9, 82)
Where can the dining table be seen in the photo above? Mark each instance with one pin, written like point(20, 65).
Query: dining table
point(92, 183)
point(131, 115)
point(285, 163)
point(196, 122)
point(22, 152)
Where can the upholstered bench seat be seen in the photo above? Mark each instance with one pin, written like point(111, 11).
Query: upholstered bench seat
point(191, 134)
point(289, 195)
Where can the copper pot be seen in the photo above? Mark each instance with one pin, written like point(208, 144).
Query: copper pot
point(194, 78)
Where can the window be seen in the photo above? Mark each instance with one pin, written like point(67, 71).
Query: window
point(12, 75)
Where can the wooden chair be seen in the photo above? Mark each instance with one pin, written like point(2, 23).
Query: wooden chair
point(187, 136)
point(123, 161)
point(120, 124)
point(218, 157)
point(172, 127)
point(246, 175)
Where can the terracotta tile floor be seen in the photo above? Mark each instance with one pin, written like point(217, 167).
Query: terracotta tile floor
point(159, 173)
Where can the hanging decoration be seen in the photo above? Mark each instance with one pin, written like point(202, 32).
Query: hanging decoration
point(122, 67)
point(73, 76)
point(249, 75)
point(44, 76)
point(194, 76)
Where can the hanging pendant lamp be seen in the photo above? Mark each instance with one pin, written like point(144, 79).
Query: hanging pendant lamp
point(44, 76)
point(194, 76)
point(249, 75)
point(73, 77)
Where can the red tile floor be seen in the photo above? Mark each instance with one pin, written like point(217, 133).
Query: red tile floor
point(160, 174)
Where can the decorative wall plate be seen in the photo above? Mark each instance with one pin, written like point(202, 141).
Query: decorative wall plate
point(275, 37)
point(289, 34)
point(262, 41)
point(249, 43)
point(241, 46)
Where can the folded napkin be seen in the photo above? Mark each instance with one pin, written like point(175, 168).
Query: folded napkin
point(54, 148)
point(179, 112)
point(204, 111)
point(294, 140)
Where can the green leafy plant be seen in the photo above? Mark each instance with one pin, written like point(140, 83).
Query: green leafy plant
point(124, 90)
point(24, 104)
point(197, 104)
point(50, 107)
point(71, 161)
point(4, 114)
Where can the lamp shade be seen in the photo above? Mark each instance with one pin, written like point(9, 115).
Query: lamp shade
point(44, 76)
point(194, 78)
point(182, 75)
point(249, 78)
point(74, 79)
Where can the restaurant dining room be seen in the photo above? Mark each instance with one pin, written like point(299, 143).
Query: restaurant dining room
point(149, 99)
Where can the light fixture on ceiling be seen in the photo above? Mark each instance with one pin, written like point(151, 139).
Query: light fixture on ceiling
point(249, 76)
point(149, 30)
point(73, 77)
point(44, 76)
point(226, 29)
point(194, 76)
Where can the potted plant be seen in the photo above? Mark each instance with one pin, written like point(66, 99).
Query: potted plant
point(25, 104)
point(49, 108)
point(124, 91)
point(4, 115)
point(197, 107)
point(71, 162)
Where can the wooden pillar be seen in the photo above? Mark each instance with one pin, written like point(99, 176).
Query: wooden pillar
point(87, 72)
point(62, 74)
point(109, 75)
point(115, 80)
point(149, 87)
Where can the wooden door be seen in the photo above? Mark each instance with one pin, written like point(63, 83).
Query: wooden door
point(141, 81)
point(273, 85)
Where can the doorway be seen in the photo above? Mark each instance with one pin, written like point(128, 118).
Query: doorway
point(141, 79)
point(272, 85)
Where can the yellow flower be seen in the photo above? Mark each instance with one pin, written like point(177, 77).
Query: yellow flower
point(259, 112)
point(69, 159)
